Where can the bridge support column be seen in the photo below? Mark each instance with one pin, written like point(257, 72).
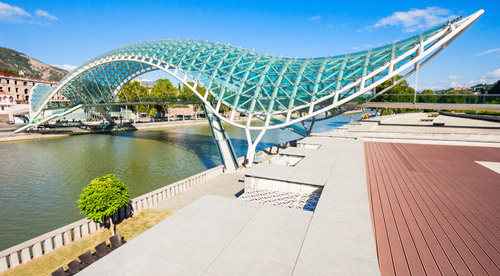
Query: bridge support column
point(222, 141)
point(252, 146)
point(105, 114)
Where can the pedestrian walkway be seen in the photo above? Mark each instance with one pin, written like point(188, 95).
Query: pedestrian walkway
point(225, 185)
point(217, 235)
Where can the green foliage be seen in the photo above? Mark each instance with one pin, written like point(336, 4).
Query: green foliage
point(458, 92)
point(152, 112)
point(8, 71)
point(164, 90)
point(103, 197)
point(400, 88)
point(482, 112)
point(427, 92)
point(495, 89)
point(133, 91)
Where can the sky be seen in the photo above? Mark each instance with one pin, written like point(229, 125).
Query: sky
point(68, 33)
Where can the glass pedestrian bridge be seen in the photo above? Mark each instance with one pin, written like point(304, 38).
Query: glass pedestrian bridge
point(281, 91)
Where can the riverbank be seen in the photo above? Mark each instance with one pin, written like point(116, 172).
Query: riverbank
point(145, 160)
point(7, 134)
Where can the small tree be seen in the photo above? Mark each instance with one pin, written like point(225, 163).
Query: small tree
point(102, 198)
point(495, 89)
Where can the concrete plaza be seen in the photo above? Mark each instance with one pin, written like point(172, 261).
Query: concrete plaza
point(222, 235)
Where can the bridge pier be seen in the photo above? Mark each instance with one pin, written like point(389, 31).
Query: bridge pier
point(105, 114)
point(222, 141)
point(252, 146)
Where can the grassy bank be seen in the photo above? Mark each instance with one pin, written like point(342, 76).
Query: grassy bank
point(129, 229)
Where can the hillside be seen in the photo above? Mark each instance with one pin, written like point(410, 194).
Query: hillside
point(31, 67)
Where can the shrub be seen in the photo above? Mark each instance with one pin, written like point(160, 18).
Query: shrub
point(102, 197)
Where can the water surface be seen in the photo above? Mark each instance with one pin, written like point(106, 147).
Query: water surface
point(41, 180)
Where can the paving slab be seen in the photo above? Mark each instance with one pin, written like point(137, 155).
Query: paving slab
point(217, 235)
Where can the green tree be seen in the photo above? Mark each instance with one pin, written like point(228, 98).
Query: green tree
point(401, 92)
point(400, 88)
point(164, 90)
point(152, 112)
point(102, 197)
point(495, 89)
point(428, 92)
point(8, 71)
point(133, 91)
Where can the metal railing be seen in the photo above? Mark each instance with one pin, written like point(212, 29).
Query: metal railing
point(430, 98)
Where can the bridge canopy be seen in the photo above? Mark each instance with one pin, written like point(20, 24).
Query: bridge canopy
point(247, 81)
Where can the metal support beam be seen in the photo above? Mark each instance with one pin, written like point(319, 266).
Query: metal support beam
point(105, 114)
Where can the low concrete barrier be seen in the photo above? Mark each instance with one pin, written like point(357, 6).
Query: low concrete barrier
point(41, 245)
point(491, 118)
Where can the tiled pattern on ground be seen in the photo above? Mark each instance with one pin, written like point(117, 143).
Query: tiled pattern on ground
point(293, 200)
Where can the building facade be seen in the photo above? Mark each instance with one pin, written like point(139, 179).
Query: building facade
point(147, 83)
point(6, 100)
point(20, 88)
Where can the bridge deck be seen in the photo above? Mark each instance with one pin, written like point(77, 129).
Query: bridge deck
point(434, 209)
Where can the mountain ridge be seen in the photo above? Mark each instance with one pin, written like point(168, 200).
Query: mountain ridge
point(31, 67)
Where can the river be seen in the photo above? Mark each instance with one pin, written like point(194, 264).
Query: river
point(40, 180)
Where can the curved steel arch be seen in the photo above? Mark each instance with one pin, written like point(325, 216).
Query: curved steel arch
point(249, 82)
point(255, 84)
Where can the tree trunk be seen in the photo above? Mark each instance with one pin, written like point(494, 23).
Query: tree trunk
point(111, 225)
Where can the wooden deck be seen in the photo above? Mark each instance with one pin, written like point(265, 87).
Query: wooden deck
point(435, 211)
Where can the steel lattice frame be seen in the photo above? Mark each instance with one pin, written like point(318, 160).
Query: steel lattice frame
point(258, 85)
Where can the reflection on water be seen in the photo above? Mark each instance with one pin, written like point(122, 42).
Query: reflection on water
point(41, 180)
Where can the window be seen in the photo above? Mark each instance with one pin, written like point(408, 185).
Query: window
point(18, 97)
point(17, 90)
point(26, 91)
point(8, 81)
point(8, 89)
point(15, 82)
point(33, 84)
point(25, 83)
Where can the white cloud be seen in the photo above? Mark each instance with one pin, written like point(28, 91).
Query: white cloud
point(450, 81)
point(458, 81)
point(489, 51)
point(12, 14)
point(490, 77)
point(314, 18)
point(66, 67)
point(454, 77)
point(415, 19)
point(43, 13)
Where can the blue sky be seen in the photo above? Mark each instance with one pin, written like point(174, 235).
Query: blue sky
point(67, 33)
